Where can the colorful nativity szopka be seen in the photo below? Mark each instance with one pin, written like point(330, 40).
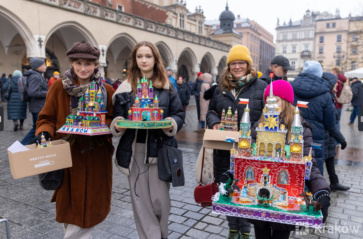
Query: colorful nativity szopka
point(145, 113)
point(90, 118)
point(267, 178)
point(43, 143)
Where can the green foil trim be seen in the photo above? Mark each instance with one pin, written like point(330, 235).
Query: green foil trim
point(144, 124)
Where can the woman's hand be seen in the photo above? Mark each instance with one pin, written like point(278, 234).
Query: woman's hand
point(170, 128)
point(120, 129)
point(216, 127)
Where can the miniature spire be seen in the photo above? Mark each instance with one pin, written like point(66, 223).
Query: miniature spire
point(297, 119)
point(246, 116)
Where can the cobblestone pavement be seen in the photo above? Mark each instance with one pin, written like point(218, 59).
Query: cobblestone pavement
point(32, 216)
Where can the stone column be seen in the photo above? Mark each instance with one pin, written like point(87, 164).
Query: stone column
point(102, 60)
point(38, 47)
point(174, 67)
point(214, 73)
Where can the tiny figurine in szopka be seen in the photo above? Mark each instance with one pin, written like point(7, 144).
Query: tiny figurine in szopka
point(145, 113)
point(90, 118)
point(270, 172)
point(43, 143)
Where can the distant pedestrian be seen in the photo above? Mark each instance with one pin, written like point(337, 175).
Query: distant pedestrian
point(109, 81)
point(3, 80)
point(312, 86)
point(169, 73)
point(196, 88)
point(55, 77)
point(279, 66)
point(336, 70)
point(207, 80)
point(184, 95)
point(117, 83)
point(37, 89)
point(357, 101)
point(16, 108)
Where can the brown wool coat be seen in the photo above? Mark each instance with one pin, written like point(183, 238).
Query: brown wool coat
point(84, 199)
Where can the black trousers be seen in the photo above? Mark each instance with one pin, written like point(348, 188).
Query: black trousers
point(267, 233)
point(330, 167)
point(197, 100)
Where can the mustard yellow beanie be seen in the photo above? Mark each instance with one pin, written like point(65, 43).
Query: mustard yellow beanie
point(239, 53)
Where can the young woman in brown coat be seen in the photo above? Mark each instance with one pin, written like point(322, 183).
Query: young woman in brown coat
point(84, 198)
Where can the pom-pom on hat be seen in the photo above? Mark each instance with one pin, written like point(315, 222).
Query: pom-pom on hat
point(83, 51)
point(282, 89)
point(239, 53)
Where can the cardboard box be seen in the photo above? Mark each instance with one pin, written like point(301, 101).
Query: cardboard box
point(216, 139)
point(36, 161)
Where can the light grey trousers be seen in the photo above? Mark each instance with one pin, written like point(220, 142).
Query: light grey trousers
point(75, 232)
point(152, 205)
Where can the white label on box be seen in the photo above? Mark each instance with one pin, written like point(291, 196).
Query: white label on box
point(43, 164)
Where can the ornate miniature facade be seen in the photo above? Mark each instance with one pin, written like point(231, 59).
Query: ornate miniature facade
point(229, 121)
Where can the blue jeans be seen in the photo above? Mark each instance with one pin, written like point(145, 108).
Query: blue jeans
point(338, 112)
point(31, 134)
point(354, 114)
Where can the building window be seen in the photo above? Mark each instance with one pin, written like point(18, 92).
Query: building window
point(339, 38)
point(181, 21)
point(321, 50)
point(294, 36)
point(352, 65)
point(306, 47)
point(354, 51)
point(293, 64)
point(239, 25)
point(306, 34)
point(328, 25)
point(321, 39)
point(284, 36)
point(337, 62)
point(293, 49)
point(120, 8)
point(333, 24)
point(284, 49)
point(339, 49)
point(200, 27)
point(355, 37)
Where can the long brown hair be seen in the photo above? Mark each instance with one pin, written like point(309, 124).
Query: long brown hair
point(225, 81)
point(287, 114)
point(159, 70)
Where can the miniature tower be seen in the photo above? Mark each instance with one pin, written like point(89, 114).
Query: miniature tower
point(138, 89)
point(144, 88)
point(151, 90)
point(130, 115)
point(229, 119)
point(161, 114)
point(137, 102)
point(245, 138)
point(92, 92)
point(271, 112)
point(99, 94)
point(296, 141)
point(156, 102)
point(81, 103)
point(43, 141)
point(87, 95)
point(235, 121)
point(223, 119)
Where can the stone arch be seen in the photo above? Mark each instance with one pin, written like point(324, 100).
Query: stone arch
point(207, 65)
point(118, 55)
point(221, 65)
point(166, 55)
point(187, 62)
point(16, 43)
point(77, 32)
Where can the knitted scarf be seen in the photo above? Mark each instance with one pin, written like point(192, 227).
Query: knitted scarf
point(238, 84)
point(76, 91)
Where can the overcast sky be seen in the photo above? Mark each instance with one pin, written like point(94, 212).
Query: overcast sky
point(266, 12)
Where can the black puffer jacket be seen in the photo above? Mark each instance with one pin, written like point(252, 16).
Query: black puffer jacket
point(316, 182)
point(184, 93)
point(222, 100)
point(168, 101)
point(357, 89)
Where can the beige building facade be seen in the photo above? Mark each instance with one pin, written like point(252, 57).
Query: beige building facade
point(47, 28)
point(331, 42)
point(355, 44)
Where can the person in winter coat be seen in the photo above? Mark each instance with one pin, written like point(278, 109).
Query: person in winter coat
point(317, 185)
point(207, 80)
point(84, 198)
point(279, 66)
point(137, 151)
point(184, 95)
point(3, 80)
point(196, 87)
point(357, 100)
point(37, 89)
point(16, 107)
point(239, 81)
point(336, 70)
point(53, 78)
point(169, 73)
point(117, 83)
point(312, 86)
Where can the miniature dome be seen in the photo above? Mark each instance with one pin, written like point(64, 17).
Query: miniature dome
point(227, 15)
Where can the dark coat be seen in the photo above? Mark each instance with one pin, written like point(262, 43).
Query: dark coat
point(168, 101)
point(357, 89)
point(3, 79)
point(16, 107)
point(316, 182)
point(37, 89)
point(265, 77)
point(184, 93)
point(197, 87)
point(222, 100)
point(320, 112)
